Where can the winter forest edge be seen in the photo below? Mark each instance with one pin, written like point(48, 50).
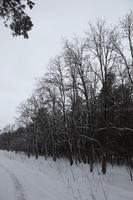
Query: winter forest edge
point(82, 108)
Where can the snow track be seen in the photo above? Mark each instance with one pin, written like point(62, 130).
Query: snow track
point(18, 187)
point(29, 183)
point(18, 192)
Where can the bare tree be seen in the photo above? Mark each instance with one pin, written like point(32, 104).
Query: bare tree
point(100, 47)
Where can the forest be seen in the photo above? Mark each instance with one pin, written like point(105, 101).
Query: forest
point(82, 107)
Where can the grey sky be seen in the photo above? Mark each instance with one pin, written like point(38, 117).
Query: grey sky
point(21, 61)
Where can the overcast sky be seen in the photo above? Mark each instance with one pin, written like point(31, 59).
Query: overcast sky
point(22, 61)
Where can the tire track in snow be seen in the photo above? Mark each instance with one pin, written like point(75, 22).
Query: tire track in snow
point(18, 187)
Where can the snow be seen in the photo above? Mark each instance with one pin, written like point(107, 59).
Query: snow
point(30, 179)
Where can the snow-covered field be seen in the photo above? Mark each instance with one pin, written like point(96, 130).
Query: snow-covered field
point(30, 179)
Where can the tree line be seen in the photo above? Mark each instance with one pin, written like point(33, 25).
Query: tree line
point(82, 108)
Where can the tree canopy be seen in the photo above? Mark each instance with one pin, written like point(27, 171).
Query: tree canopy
point(15, 17)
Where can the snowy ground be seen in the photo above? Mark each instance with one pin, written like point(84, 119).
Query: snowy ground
point(30, 179)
